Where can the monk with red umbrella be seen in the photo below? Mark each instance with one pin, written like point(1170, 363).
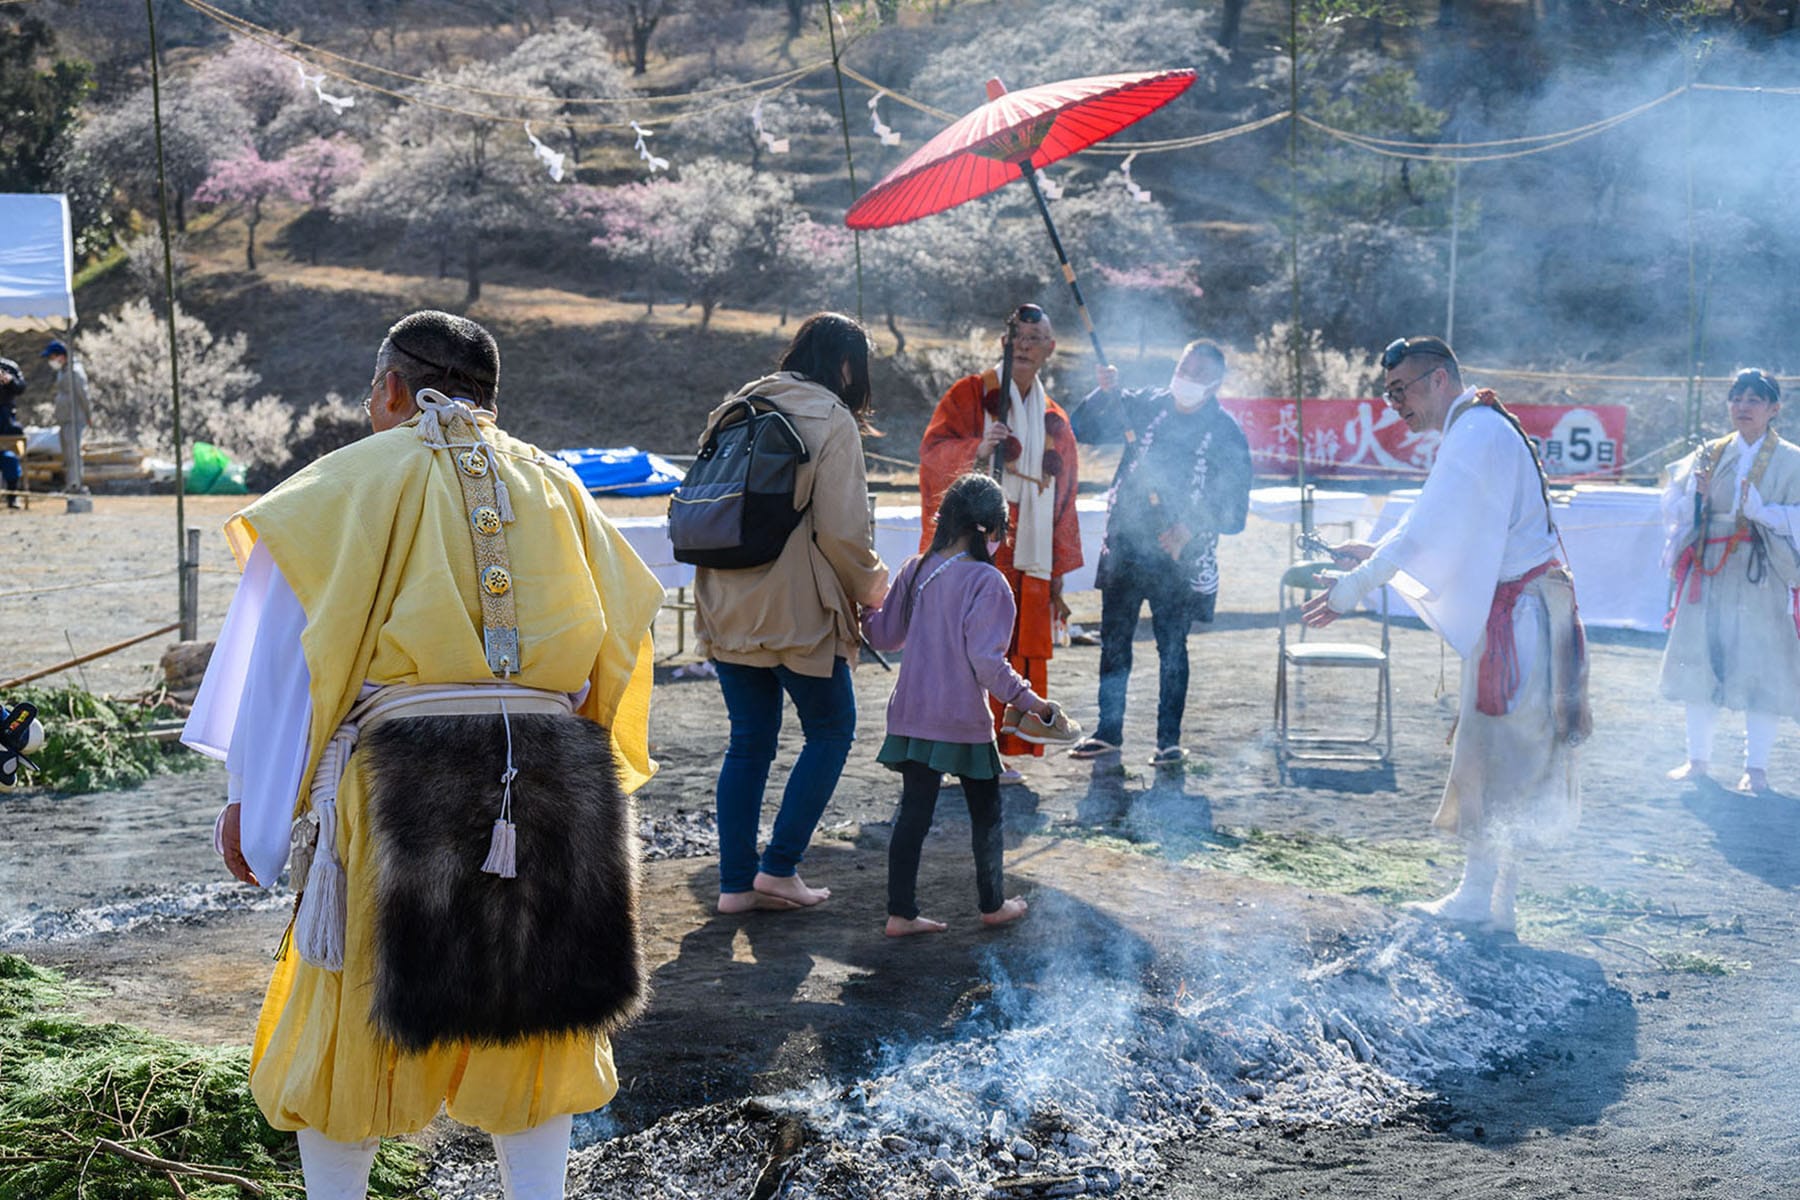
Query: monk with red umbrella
point(1002, 419)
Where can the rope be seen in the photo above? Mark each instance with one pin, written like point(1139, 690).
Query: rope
point(1200, 139)
point(1603, 123)
point(474, 114)
point(70, 587)
point(242, 24)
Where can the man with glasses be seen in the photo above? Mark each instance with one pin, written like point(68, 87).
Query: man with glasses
point(1024, 438)
point(426, 616)
point(1732, 511)
point(1476, 557)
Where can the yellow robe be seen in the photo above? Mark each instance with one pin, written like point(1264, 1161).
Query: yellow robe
point(375, 542)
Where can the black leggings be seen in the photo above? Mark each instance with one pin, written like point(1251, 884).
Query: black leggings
point(918, 800)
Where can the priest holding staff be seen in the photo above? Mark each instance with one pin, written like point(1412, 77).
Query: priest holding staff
point(1477, 556)
point(1732, 511)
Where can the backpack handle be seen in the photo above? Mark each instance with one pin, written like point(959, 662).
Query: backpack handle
point(749, 405)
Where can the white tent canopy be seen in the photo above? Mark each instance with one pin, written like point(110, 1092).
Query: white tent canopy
point(37, 289)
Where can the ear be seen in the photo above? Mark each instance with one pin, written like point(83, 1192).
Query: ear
point(396, 396)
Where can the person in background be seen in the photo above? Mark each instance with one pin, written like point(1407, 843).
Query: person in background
point(1475, 556)
point(12, 386)
point(1024, 440)
point(952, 610)
point(70, 410)
point(789, 626)
point(1183, 480)
point(1732, 512)
point(425, 616)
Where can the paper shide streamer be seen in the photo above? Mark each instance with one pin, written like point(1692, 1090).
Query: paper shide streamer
point(552, 159)
point(655, 164)
point(1131, 185)
point(888, 136)
point(776, 145)
point(337, 104)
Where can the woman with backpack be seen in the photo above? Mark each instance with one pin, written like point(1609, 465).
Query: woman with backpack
point(953, 610)
point(789, 625)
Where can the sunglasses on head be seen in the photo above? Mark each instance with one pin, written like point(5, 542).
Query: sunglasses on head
point(1399, 349)
point(1030, 314)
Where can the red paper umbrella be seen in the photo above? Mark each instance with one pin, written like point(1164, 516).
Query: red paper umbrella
point(992, 146)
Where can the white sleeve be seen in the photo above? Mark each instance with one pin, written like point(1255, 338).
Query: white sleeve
point(254, 710)
point(1784, 519)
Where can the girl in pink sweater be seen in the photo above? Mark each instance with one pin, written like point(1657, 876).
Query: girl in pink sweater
point(953, 611)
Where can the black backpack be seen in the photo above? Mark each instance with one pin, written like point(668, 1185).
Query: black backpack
point(736, 508)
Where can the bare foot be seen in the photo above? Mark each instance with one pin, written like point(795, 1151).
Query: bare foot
point(742, 902)
point(1007, 913)
point(790, 888)
point(1755, 782)
point(903, 926)
point(1690, 772)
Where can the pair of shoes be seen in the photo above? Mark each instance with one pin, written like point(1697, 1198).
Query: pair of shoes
point(1057, 730)
point(1168, 756)
point(1009, 776)
point(1092, 747)
point(12, 502)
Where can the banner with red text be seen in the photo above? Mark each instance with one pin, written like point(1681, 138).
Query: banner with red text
point(1366, 437)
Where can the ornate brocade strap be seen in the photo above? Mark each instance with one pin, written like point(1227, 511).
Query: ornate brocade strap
point(451, 425)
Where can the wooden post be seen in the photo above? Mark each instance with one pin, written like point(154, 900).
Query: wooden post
point(190, 588)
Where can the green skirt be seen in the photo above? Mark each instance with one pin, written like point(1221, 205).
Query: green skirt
point(970, 760)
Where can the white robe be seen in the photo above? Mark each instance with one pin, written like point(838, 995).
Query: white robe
point(1480, 520)
point(254, 711)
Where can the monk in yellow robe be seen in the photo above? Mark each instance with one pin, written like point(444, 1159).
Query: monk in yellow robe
point(439, 650)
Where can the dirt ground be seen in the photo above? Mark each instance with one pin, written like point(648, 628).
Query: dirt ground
point(1681, 1083)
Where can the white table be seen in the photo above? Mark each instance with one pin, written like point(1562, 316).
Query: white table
point(1282, 505)
point(1614, 539)
point(897, 532)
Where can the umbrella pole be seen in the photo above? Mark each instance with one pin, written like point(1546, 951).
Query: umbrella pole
point(1062, 257)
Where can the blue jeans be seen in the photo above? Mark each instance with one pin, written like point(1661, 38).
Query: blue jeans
point(1121, 601)
point(827, 709)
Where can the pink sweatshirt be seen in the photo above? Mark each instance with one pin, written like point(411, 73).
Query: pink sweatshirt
point(956, 639)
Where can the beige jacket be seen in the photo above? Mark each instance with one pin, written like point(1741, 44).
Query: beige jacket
point(799, 611)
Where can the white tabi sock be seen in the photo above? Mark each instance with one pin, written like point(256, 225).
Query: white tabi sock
point(1759, 739)
point(1503, 918)
point(335, 1170)
point(1472, 900)
point(1702, 720)
point(533, 1164)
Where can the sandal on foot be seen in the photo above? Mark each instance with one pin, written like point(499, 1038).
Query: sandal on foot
point(1092, 747)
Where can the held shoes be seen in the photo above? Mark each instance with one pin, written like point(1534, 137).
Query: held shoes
point(1059, 729)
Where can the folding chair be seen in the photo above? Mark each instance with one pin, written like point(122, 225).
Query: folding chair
point(1301, 651)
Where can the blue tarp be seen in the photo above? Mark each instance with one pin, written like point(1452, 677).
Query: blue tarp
point(36, 280)
point(623, 471)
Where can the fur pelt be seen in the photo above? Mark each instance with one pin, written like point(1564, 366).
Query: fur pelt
point(464, 955)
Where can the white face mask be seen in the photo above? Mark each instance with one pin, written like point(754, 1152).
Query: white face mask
point(1190, 394)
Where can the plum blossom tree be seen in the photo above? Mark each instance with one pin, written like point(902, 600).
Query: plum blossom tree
point(721, 228)
point(455, 180)
point(571, 63)
point(201, 125)
point(245, 182)
point(322, 167)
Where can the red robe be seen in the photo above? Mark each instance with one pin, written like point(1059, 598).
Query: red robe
point(947, 451)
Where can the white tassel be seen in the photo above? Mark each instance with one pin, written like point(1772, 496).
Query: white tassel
point(319, 926)
point(503, 850)
point(502, 498)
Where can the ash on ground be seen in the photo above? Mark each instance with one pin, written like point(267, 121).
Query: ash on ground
point(1069, 1071)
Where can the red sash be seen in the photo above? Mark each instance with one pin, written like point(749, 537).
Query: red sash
point(1497, 680)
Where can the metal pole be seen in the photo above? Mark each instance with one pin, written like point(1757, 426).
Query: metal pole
point(190, 588)
point(849, 163)
point(1294, 260)
point(162, 197)
point(1068, 271)
point(1455, 233)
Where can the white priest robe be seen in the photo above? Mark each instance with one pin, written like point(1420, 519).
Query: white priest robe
point(1480, 520)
